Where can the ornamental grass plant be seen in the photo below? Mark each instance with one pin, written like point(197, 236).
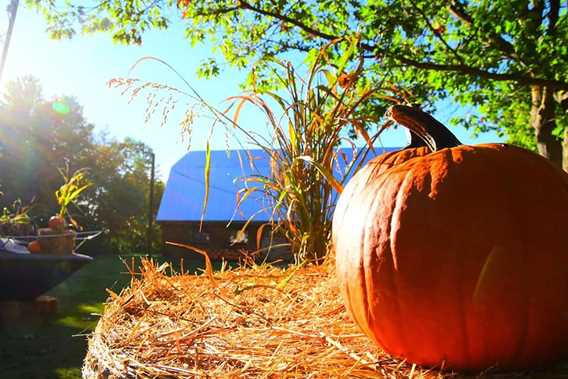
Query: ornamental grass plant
point(309, 112)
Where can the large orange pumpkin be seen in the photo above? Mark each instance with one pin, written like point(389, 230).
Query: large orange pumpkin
point(454, 254)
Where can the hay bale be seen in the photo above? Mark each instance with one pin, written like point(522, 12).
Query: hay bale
point(252, 322)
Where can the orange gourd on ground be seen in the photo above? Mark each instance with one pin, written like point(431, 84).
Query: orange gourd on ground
point(34, 247)
point(456, 255)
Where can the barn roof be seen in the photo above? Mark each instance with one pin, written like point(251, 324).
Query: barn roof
point(185, 190)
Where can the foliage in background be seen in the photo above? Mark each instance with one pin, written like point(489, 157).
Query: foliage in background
point(14, 219)
point(505, 61)
point(122, 194)
point(15, 214)
point(307, 119)
point(36, 139)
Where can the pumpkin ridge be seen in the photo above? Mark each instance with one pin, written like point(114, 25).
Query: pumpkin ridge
point(361, 284)
point(455, 158)
point(466, 343)
point(522, 343)
point(403, 186)
point(362, 272)
point(396, 212)
point(347, 290)
point(389, 274)
point(374, 204)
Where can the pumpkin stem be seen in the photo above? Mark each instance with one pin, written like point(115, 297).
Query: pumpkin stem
point(430, 131)
point(413, 140)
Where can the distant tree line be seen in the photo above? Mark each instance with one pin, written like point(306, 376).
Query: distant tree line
point(39, 135)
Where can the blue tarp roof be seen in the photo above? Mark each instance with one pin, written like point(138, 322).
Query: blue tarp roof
point(185, 190)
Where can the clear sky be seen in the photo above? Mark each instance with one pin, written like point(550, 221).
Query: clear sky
point(82, 66)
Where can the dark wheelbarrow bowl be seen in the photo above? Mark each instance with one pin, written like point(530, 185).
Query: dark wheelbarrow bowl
point(27, 276)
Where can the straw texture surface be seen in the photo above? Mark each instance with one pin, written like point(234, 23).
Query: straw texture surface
point(254, 322)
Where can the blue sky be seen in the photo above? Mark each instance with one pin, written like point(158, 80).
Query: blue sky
point(82, 66)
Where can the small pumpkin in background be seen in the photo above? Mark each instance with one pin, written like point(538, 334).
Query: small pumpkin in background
point(34, 247)
point(456, 255)
point(57, 223)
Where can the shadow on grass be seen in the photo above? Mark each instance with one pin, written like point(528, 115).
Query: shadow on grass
point(55, 347)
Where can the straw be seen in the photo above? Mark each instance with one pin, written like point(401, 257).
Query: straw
point(251, 322)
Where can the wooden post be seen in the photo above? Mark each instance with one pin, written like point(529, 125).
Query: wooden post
point(32, 312)
point(12, 11)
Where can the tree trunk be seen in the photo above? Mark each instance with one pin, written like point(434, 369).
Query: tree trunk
point(562, 98)
point(565, 151)
point(543, 122)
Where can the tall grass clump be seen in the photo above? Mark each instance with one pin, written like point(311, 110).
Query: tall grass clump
point(309, 115)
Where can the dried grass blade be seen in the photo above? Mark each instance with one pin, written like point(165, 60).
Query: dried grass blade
point(259, 234)
point(208, 264)
point(324, 171)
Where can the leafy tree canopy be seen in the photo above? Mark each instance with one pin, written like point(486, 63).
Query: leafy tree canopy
point(506, 60)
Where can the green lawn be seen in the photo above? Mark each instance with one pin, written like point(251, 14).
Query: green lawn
point(56, 348)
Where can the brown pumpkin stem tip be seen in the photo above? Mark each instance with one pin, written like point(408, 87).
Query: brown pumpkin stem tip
point(434, 134)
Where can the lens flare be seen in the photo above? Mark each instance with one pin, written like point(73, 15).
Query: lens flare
point(60, 107)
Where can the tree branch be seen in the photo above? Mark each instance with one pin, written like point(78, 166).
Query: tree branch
point(290, 46)
point(317, 33)
point(553, 15)
point(243, 4)
point(437, 33)
point(219, 11)
point(476, 72)
point(537, 13)
point(501, 44)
